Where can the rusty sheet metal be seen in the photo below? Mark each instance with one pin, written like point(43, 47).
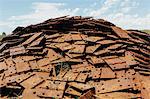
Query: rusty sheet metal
point(121, 33)
point(33, 64)
point(80, 43)
point(22, 66)
point(17, 50)
point(104, 42)
point(72, 91)
point(96, 60)
point(77, 49)
point(2, 46)
point(52, 85)
point(100, 52)
point(46, 93)
point(46, 68)
point(114, 61)
point(70, 76)
point(18, 78)
point(113, 85)
point(73, 56)
point(80, 86)
point(3, 66)
point(31, 39)
point(52, 55)
point(53, 36)
point(76, 37)
point(120, 73)
point(92, 39)
point(64, 46)
point(43, 75)
point(88, 94)
point(144, 86)
point(29, 94)
point(118, 95)
point(80, 68)
point(115, 46)
point(106, 72)
point(95, 73)
point(43, 62)
point(32, 82)
point(18, 59)
point(118, 66)
point(92, 49)
point(82, 77)
point(37, 42)
point(11, 70)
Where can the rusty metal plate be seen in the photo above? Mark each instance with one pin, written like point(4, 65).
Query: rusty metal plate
point(64, 46)
point(22, 66)
point(17, 50)
point(37, 42)
point(95, 73)
point(43, 75)
point(46, 93)
point(18, 78)
point(104, 42)
point(43, 62)
point(52, 55)
point(18, 59)
point(88, 94)
point(91, 49)
point(79, 68)
point(56, 35)
point(72, 91)
point(2, 83)
point(80, 86)
point(70, 76)
point(120, 73)
point(52, 85)
point(29, 94)
point(76, 37)
point(96, 60)
point(118, 66)
point(31, 39)
point(100, 52)
point(82, 77)
point(32, 82)
point(60, 75)
point(145, 86)
point(121, 33)
point(3, 66)
point(113, 85)
point(92, 38)
point(46, 68)
point(114, 61)
point(11, 67)
point(77, 49)
point(33, 64)
point(118, 95)
point(106, 72)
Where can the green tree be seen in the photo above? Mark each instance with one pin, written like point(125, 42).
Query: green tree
point(3, 34)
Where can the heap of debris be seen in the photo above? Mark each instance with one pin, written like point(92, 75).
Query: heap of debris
point(75, 57)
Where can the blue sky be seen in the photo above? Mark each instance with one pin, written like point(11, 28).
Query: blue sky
point(128, 14)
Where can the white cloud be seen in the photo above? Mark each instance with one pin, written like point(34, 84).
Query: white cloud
point(106, 6)
point(44, 11)
point(120, 15)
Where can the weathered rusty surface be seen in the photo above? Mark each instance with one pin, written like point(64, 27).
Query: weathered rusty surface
point(75, 57)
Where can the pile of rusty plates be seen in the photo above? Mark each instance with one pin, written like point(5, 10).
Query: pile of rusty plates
point(75, 57)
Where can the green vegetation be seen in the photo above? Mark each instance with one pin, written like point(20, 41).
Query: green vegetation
point(3, 35)
point(147, 31)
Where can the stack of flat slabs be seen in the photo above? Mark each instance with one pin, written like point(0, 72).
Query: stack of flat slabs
point(75, 57)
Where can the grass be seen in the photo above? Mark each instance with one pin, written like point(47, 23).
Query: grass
point(147, 31)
